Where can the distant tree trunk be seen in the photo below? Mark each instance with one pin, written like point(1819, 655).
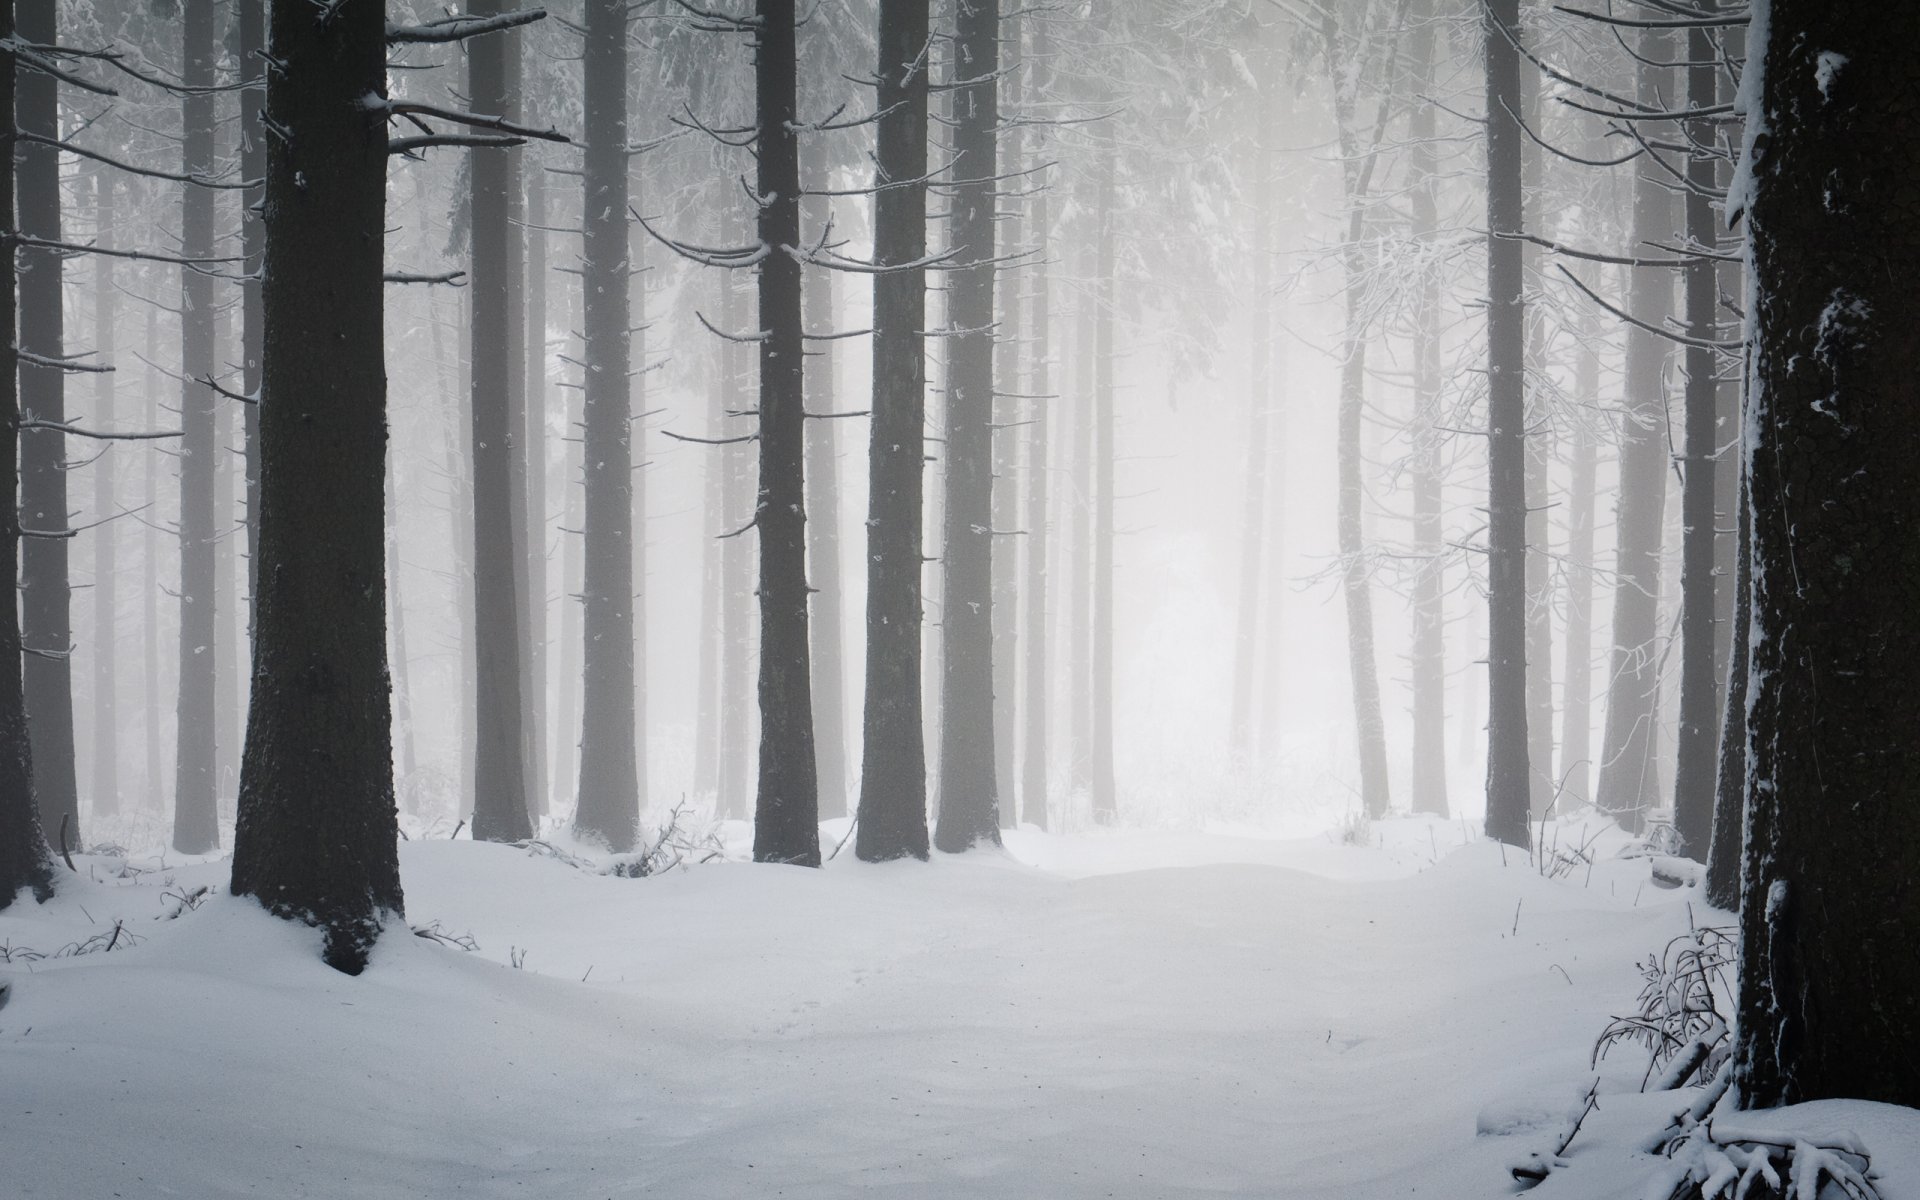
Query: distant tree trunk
point(1077, 609)
point(24, 860)
point(1105, 803)
point(196, 819)
point(893, 768)
point(1034, 746)
point(823, 538)
point(786, 826)
point(565, 774)
point(1698, 740)
point(1829, 979)
point(715, 468)
point(533, 304)
point(1507, 747)
point(251, 16)
point(501, 805)
point(106, 623)
point(969, 802)
point(608, 805)
point(736, 623)
point(150, 590)
point(1540, 435)
point(46, 628)
point(637, 380)
point(1429, 776)
point(316, 837)
point(1729, 803)
point(396, 606)
point(458, 450)
point(227, 634)
point(1576, 705)
point(1253, 533)
point(1629, 786)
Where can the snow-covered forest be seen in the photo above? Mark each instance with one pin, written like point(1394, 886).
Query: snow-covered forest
point(1143, 598)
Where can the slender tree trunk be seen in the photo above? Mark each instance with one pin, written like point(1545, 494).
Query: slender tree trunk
point(893, 767)
point(1428, 778)
point(227, 634)
point(46, 628)
point(1253, 533)
point(1105, 803)
point(1078, 551)
point(24, 860)
point(608, 805)
point(1576, 729)
point(1507, 746)
point(316, 839)
point(106, 596)
point(715, 469)
point(1829, 980)
point(1004, 437)
point(1540, 437)
point(566, 760)
point(969, 801)
point(533, 304)
point(196, 822)
point(823, 539)
point(787, 806)
point(501, 803)
point(1698, 740)
point(154, 782)
point(1034, 746)
point(1629, 786)
point(251, 16)
point(736, 631)
point(637, 404)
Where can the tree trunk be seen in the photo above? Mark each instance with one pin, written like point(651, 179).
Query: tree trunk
point(24, 860)
point(1576, 705)
point(396, 606)
point(150, 590)
point(1077, 610)
point(1729, 802)
point(1508, 781)
point(533, 392)
point(1698, 739)
point(608, 805)
point(969, 802)
point(1428, 778)
point(893, 767)
point(571, 682)
point(1253, 533)
point(316, 839)
point(1628, 785)
point(1005, 440)
point(501, 803)
point(251, 15)
point(823, 538)
point(46, 629)
point(736, 631)
point(1829, 980)
point(106, 596)
point(1105, 803)
point(786, 826)
point(1034, 748)
point(196, 821)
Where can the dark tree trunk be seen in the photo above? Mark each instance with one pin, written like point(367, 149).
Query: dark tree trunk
point(106, 597)
point(24, 860)
point(1541, 432)
point(1105, 803)
point(1507, 762)
point(1429, 776)
point(1034, 748)
point(786, 826)
point(316, 838)
point(1005, 436)
point(1629, 786)
point(609, 798)
point(893, 768)
point(46, 628)
point(501, 803)
point(1576, 729)
point(1830, 917)
point(969, 802)
point(823, 540)
point(1698, 739)
point(196, 820)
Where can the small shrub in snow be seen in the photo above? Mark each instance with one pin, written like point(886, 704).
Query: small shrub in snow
point(432, 932)
point(1354, 830)
point(1683, 1012)
point(1726, 1158)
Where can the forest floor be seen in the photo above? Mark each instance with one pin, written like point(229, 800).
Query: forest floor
point(1113, 1014)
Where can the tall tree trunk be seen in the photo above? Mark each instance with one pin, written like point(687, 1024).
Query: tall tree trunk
point(251, 15)
point(106, 596)
point(1629, 786)
point(1253, 533)
point(736, 630)
point(24, 860)
point(316, 839)
point(1698, 740)
point(1078, 548)
point(786, 825)
point(1034, 746)
point(969, 801)
point(637, 380)
point(715, 469)
point(823, 538)
point(501, 803)
point(154, 783)
point(534, 403)
point(524, 526)
point(46, 629)
point(196, 821)
point(1576, 705)
point(397, 621)
point(1105, 803)
point(1829, 980)
point(1428, 779)
point(1004, 439)
point(608, 805)
point(1507, 747)
point(893, 766)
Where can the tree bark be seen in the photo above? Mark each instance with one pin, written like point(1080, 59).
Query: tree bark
point(533, 403)
point(251, 16)
point(608, 806)
point(893, 768)
point(1508, 776)
point(196, 820)
point(316, 837)
point(1829, 978)
point(969, 799)
point(736, 627)
point(24, 859)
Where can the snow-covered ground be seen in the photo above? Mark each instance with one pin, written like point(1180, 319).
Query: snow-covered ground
point(1128, 1014)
